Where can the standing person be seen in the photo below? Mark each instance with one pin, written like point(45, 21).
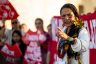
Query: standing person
point(25, 33)
point(39, 27)
point(5, 34)
point(15, 26)
point(17, 39)
point(52, 47)
point(24, 29)
point(74, 38)
point(16, 57)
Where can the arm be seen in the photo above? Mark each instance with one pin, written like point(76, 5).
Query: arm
point(82, 42)
point(78, 44)
point(48, 57)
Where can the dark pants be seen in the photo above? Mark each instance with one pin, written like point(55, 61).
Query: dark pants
point(44, 57)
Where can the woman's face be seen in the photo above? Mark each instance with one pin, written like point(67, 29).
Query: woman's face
point(38, 24)
point(16, 37)
point(67, 17)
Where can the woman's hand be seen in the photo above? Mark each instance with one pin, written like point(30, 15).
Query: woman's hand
point(61, 34)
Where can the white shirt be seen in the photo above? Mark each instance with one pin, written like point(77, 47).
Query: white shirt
point(82, 46)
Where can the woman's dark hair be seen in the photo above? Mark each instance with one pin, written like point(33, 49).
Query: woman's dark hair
point(17, 32)
point(72, 7)
point(39, 20)
point(22, 46)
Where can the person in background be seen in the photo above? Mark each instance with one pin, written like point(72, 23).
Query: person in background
point(52, 47)
point(3, 37)
point(74, 38)
point(5, 34)
point(44, 45)
point(15, 24)
point(25, 33)
point(17, 39)
point(2, 40)
point(24, 29)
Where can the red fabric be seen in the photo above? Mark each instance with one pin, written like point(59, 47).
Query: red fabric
point(42, 36)
point(25, 37)
point(92, 56)
point(7, 11)
point(14, 48)
point(43, 40)
point(52, 48)
point(33, 51)
point(10, 53)
point(29, 31)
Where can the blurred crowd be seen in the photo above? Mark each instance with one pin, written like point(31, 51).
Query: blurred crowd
point(19, 35)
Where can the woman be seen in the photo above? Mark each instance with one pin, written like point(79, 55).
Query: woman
point(44, 43)
point(74, 38)
point(17, 39)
